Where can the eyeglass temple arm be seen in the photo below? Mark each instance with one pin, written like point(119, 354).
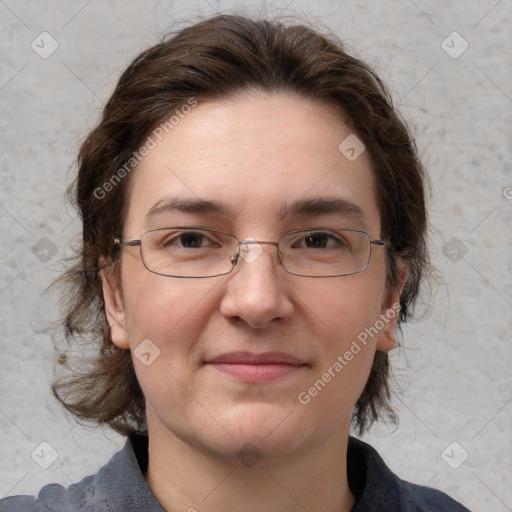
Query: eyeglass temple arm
point(128, 243)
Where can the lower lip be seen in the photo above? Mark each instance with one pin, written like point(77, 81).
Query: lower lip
point(256, 372)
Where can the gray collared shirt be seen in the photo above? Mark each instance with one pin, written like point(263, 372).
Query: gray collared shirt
point(120, 486)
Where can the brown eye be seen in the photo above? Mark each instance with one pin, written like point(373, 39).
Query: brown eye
point(319, 240)
point(191, 240)
point(316, 241)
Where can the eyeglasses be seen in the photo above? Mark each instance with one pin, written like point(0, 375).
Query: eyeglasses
point(203, 252)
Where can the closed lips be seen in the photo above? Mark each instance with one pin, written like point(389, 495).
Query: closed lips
point(256, 359)
point(253, 368)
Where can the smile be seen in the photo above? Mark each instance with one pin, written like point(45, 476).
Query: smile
point(249, 367)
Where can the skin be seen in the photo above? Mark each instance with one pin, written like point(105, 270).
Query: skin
point(255, 153)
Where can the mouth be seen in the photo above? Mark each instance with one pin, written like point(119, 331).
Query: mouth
point(254, 368)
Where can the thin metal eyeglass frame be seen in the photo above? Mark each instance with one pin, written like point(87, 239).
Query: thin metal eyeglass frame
point(234, 258)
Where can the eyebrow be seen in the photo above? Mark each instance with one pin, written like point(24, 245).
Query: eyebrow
point(311, 206)
point(322, 205)
point(187, 205)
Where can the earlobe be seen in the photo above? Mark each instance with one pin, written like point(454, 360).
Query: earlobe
point(386, 338)
point(114, 310)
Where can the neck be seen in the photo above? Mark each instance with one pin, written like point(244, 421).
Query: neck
point(185, 478)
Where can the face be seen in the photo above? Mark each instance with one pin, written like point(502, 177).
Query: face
point(238, 355)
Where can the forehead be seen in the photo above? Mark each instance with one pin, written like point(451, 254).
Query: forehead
point(256, 156)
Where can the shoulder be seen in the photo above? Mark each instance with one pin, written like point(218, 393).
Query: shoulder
point(54, 498)
point(378, 488)
point(81, 496)
point(119, 486)
point(425, 499)
point(19, 504)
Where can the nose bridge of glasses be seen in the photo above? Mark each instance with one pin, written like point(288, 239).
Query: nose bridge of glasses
point(250, 249)
point(248, 241)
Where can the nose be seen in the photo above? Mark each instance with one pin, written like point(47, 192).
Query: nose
point(255, 292)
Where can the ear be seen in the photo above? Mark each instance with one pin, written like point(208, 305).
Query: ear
point(114, 309)
point(389, 316)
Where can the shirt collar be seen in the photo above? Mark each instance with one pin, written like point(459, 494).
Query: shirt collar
point(122, 479)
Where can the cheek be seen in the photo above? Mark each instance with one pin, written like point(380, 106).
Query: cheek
point(341, 321)
point(341, 317)
point(341, 308)
point(166, 309)
point(163, 309)
point(165, 317)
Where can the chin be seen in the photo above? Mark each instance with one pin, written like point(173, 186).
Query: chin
point(269, 429)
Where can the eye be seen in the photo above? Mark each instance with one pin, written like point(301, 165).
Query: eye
point(189, 240)
point(319, 240)
point(192, 240)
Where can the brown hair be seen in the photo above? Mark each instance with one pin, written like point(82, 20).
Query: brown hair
point(214, 58)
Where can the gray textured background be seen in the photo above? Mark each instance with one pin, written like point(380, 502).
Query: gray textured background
point(453, 374)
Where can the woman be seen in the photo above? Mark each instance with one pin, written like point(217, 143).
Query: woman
point(254, 233)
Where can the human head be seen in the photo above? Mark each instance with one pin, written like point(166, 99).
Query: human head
point(214, 59)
